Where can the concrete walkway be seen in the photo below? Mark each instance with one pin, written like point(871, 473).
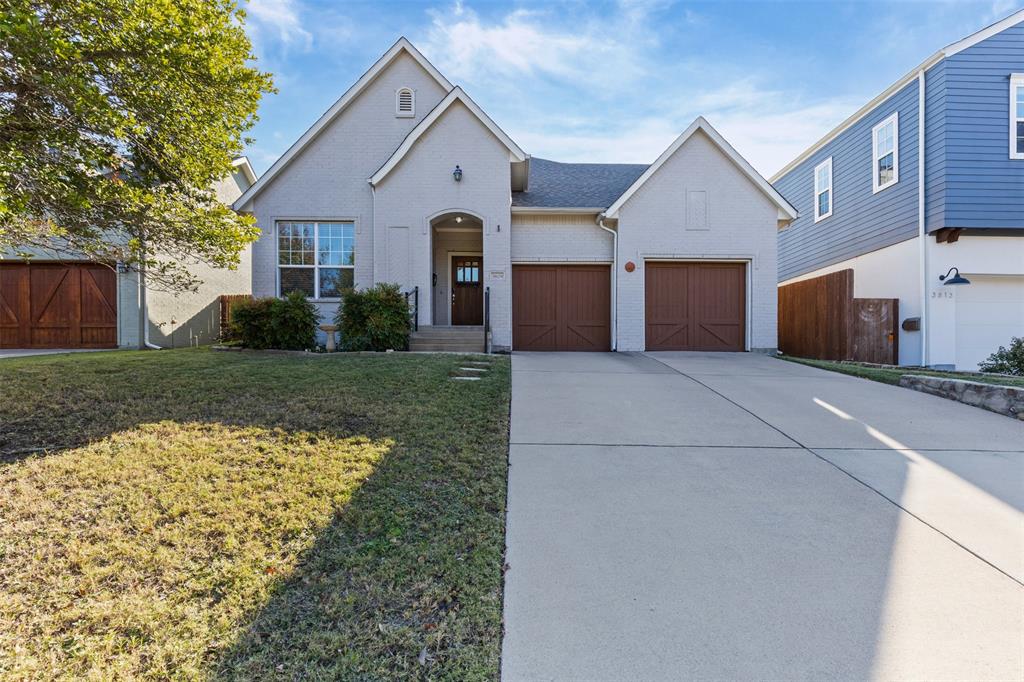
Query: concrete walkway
point(717, 516)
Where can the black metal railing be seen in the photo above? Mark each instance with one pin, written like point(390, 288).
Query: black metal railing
point(487, 319)
point(414, 308)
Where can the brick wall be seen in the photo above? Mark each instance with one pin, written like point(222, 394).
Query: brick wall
point(328, 180)
point(559, 238)
point(699, 206)
point(421, 187)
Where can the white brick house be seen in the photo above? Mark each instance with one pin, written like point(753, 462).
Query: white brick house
point(405, 179)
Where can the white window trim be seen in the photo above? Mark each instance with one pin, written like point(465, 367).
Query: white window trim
point(398, 95)
point(316, 255)
point(1016, 81)
point(895, 120)
point(817, 191)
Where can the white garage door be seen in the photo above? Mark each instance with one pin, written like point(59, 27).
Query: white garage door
point(989, 311)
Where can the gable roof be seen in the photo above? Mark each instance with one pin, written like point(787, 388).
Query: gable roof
point(786, 210)
point(402, 45)
point(242, 162)
point(576, 185)
point(948, 51)
point(456, 95)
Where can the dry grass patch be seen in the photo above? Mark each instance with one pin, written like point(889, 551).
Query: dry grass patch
point(315, 518)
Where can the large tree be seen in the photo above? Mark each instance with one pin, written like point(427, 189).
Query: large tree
point(117, 118)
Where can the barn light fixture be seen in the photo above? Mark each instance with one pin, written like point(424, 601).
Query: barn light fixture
point(458, 219)
point(457, 174)
point(955, 279)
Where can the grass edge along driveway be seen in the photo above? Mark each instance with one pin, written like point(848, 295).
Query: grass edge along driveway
point(891, 374)
point(251, 516)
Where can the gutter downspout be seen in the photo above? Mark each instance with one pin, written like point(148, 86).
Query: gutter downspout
point(615, 279)
point(143, 308)
point(922, 236)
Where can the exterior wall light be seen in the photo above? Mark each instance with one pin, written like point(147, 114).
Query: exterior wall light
point(954, 280)
point(457, 174)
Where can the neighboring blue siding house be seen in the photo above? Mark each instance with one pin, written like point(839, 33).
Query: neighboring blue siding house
point(863, 204)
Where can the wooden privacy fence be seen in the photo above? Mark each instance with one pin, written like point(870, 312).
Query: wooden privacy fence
point(227, 303)
point(819, 318)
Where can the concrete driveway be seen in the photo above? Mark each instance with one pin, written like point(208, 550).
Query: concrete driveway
point(734, 516)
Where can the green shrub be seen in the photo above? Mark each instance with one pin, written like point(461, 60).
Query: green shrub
point(1006, 360)
point(374, 319)
point(227, 332)
point(287, 324)
point(252, 322)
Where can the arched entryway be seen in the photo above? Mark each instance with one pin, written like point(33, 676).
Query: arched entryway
point(457, 282)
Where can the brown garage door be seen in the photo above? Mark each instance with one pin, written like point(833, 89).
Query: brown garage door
point(695, 306)
point(57, 305)
point(561, 307)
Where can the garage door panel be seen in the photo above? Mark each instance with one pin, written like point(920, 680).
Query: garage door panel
point(719, 337)
point(667, 335)
point(534, 307)
point(695, 306)
point(989, 312)
point(55, 305)
point(14, 306)
point(561, 307)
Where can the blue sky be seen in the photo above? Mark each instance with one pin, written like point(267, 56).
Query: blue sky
point(614, 81)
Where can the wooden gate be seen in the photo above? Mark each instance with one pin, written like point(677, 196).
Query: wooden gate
point(819, 318)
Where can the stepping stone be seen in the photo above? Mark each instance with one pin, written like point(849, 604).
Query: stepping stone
point(472, 369)
point(466, 378)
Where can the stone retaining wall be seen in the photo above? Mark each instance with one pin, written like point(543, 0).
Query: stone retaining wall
point(1001, 399)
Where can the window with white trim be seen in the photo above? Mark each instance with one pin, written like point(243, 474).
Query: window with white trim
point(823, 190)
point(405, 102)
point(316, 258)
point(885, 153)
point(1017, 116)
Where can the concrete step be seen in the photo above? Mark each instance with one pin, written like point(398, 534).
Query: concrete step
point(448, 337)
point(447, 332)
point(447, 346)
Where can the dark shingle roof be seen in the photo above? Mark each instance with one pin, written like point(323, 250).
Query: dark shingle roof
point(564, 185)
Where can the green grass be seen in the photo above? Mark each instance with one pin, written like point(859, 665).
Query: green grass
point(888, 375)
point(201, 515)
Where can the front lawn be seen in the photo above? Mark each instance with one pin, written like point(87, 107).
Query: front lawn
point(193, 514)
point(891, 375)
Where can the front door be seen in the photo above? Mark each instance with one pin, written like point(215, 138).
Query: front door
point(467, 290)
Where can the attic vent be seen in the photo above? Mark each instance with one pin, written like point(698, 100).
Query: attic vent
point(405, 102)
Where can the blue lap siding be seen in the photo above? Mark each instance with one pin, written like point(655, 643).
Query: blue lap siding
point(984, 187)
point(970, 181)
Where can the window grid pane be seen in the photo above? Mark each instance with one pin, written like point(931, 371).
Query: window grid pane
point(295, 244)
point(885, 165)
point(333, 281)
point(297, 279)
point(314, 245)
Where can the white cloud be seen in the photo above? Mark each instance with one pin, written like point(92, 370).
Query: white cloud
point(1000, 9)
point(634, 102)
point(768, 127)
point(524, 43)
point(276, 22)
